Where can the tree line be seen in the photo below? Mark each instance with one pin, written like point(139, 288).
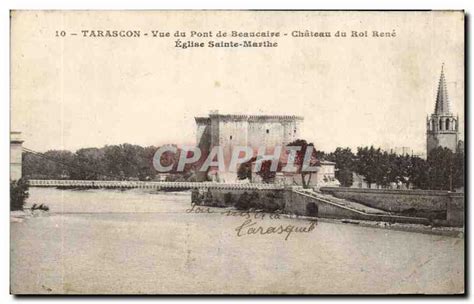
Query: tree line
point(442, 170)
point(114, 162)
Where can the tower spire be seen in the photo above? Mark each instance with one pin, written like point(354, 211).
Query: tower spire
point(442, 103)
point(442, 127)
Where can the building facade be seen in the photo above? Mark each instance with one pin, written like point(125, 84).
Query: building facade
point(325, 176)
point(442, 126)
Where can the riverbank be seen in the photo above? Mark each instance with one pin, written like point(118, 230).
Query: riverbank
point(417, 228)
point(19, 216)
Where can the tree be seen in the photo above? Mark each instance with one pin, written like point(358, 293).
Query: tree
point(441, 168)
point(418, 173)
point(88, 164)
point(344, 159)
point(196, 197)
point(243, 201)
point(458, 170)
point(53, 164)
point(266, 173)
point(366, 164)
point(245, 170)
point(18, 194)
point(228, 199)
point(208, 198)
point(146, 171)
point(321, 155)
point(382, 168)
point(300, 157)
point(400, 169)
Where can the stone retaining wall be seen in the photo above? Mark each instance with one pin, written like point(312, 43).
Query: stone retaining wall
point(294, 202)
point(442, 205)
point(393, 200)
point(455, 210)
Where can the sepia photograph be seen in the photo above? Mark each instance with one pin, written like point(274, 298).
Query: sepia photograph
point(237, 152)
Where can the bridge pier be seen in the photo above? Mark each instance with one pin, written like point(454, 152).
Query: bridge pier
point(16, 145)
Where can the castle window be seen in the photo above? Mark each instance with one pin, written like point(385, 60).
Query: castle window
point(268, 131)
point(230, 137)
point(294, 131)
point(440, 124)
point(447, 124)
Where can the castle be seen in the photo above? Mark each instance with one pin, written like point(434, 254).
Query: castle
point(230, 130)
point(253, 131)
point(442, 127)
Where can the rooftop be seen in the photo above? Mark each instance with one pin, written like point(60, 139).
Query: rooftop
point(244, 117)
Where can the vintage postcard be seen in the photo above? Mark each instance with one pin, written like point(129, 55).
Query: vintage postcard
point(237, 152)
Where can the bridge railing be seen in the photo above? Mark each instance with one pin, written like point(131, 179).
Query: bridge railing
point(150, 185)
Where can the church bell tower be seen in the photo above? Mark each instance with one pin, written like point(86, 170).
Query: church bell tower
point(442, 127)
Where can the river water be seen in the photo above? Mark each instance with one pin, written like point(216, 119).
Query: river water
point(134, 241)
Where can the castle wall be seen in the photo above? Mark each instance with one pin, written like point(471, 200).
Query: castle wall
point(244, 130)
point(268, 134)
point(273, 133)
point(232, 133)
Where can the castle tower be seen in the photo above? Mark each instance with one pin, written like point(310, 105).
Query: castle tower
point(442, 127)
point(254, 131)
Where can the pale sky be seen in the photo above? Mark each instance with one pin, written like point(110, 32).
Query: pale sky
point(75, 92)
